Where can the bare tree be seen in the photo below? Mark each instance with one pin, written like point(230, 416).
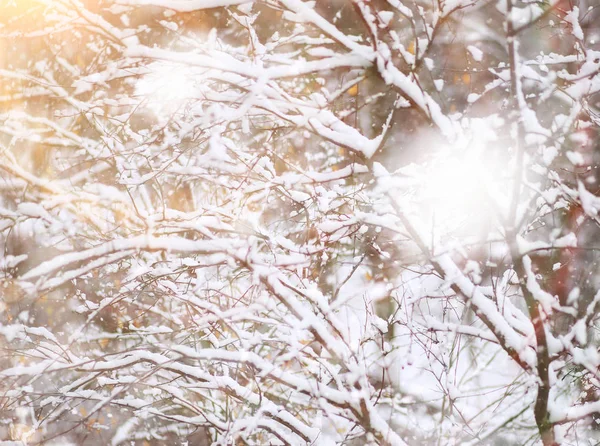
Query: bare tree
point(297, 222)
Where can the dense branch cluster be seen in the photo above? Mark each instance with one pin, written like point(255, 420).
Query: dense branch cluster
point(295, 222)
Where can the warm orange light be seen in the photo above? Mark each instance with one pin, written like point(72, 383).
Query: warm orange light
point(19, 5)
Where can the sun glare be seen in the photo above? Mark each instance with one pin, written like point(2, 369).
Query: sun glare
point(458, 191)
point(166, 88)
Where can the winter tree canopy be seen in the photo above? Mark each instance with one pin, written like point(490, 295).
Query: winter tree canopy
point(294, 222)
